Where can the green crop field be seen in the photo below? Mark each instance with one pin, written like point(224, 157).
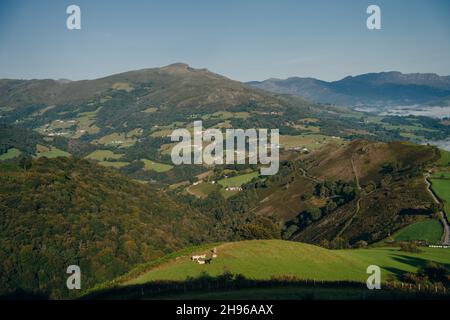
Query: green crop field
point(202, 190)
point(117, 139)
point(86, 123)
point(445, 158)
point(441, 175)
point(116, 164)
point(238, 181)
point(102, 155)
point(265, 259)
point(442, 189)
point(155, 166)
point(430, 230)
point(50, 152)
point(12, 153)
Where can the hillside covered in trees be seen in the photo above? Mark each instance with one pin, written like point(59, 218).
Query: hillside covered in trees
point(55, 213)
point(64, 211)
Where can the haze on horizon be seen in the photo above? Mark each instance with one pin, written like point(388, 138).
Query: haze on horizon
point(247, 41)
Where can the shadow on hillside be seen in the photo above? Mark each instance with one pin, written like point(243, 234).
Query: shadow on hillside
point(232, 285)
point(24, 295)
point(398, 273)
point(414, 261)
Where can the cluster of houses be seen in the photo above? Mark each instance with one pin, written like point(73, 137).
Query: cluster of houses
point(214, 182)
point(51, 133)
point(201, 259)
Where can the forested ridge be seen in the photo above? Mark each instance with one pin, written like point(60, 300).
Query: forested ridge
point(55, 213)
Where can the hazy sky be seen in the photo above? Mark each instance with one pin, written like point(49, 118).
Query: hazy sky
point(242, 39)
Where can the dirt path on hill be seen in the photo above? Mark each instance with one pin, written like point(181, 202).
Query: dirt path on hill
point(349, 221)
point(355, 173)
point(310, 177)
point(358, 201)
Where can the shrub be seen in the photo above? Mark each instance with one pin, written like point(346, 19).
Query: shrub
point(409, 247)
point(361, 244)
point(434, 271)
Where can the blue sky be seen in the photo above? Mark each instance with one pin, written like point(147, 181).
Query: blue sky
point(242, 39)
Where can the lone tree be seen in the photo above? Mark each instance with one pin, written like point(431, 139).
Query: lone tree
point(25, 162)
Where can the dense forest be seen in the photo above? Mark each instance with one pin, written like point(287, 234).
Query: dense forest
point(64, 211)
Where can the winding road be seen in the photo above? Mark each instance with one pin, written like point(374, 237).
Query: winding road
point(442, 216)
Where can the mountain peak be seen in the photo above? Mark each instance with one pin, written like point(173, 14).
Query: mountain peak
point(177, 67)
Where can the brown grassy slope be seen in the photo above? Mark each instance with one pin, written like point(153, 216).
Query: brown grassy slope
point(174, 86)
point(399, 199)
point(381, 213)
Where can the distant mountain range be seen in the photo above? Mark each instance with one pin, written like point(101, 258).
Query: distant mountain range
point(371, 89)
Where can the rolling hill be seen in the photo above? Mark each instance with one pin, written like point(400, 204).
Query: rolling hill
point(264, 259)
point(269, 260)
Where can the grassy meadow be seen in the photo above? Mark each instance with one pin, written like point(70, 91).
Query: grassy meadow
point(441, 186)
point(12, 153)
point(150, 165)
point(50, 152)
point(265, 259)
point(202, 190)
point(103, 155)
point(238, 181)
point(428, 230)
